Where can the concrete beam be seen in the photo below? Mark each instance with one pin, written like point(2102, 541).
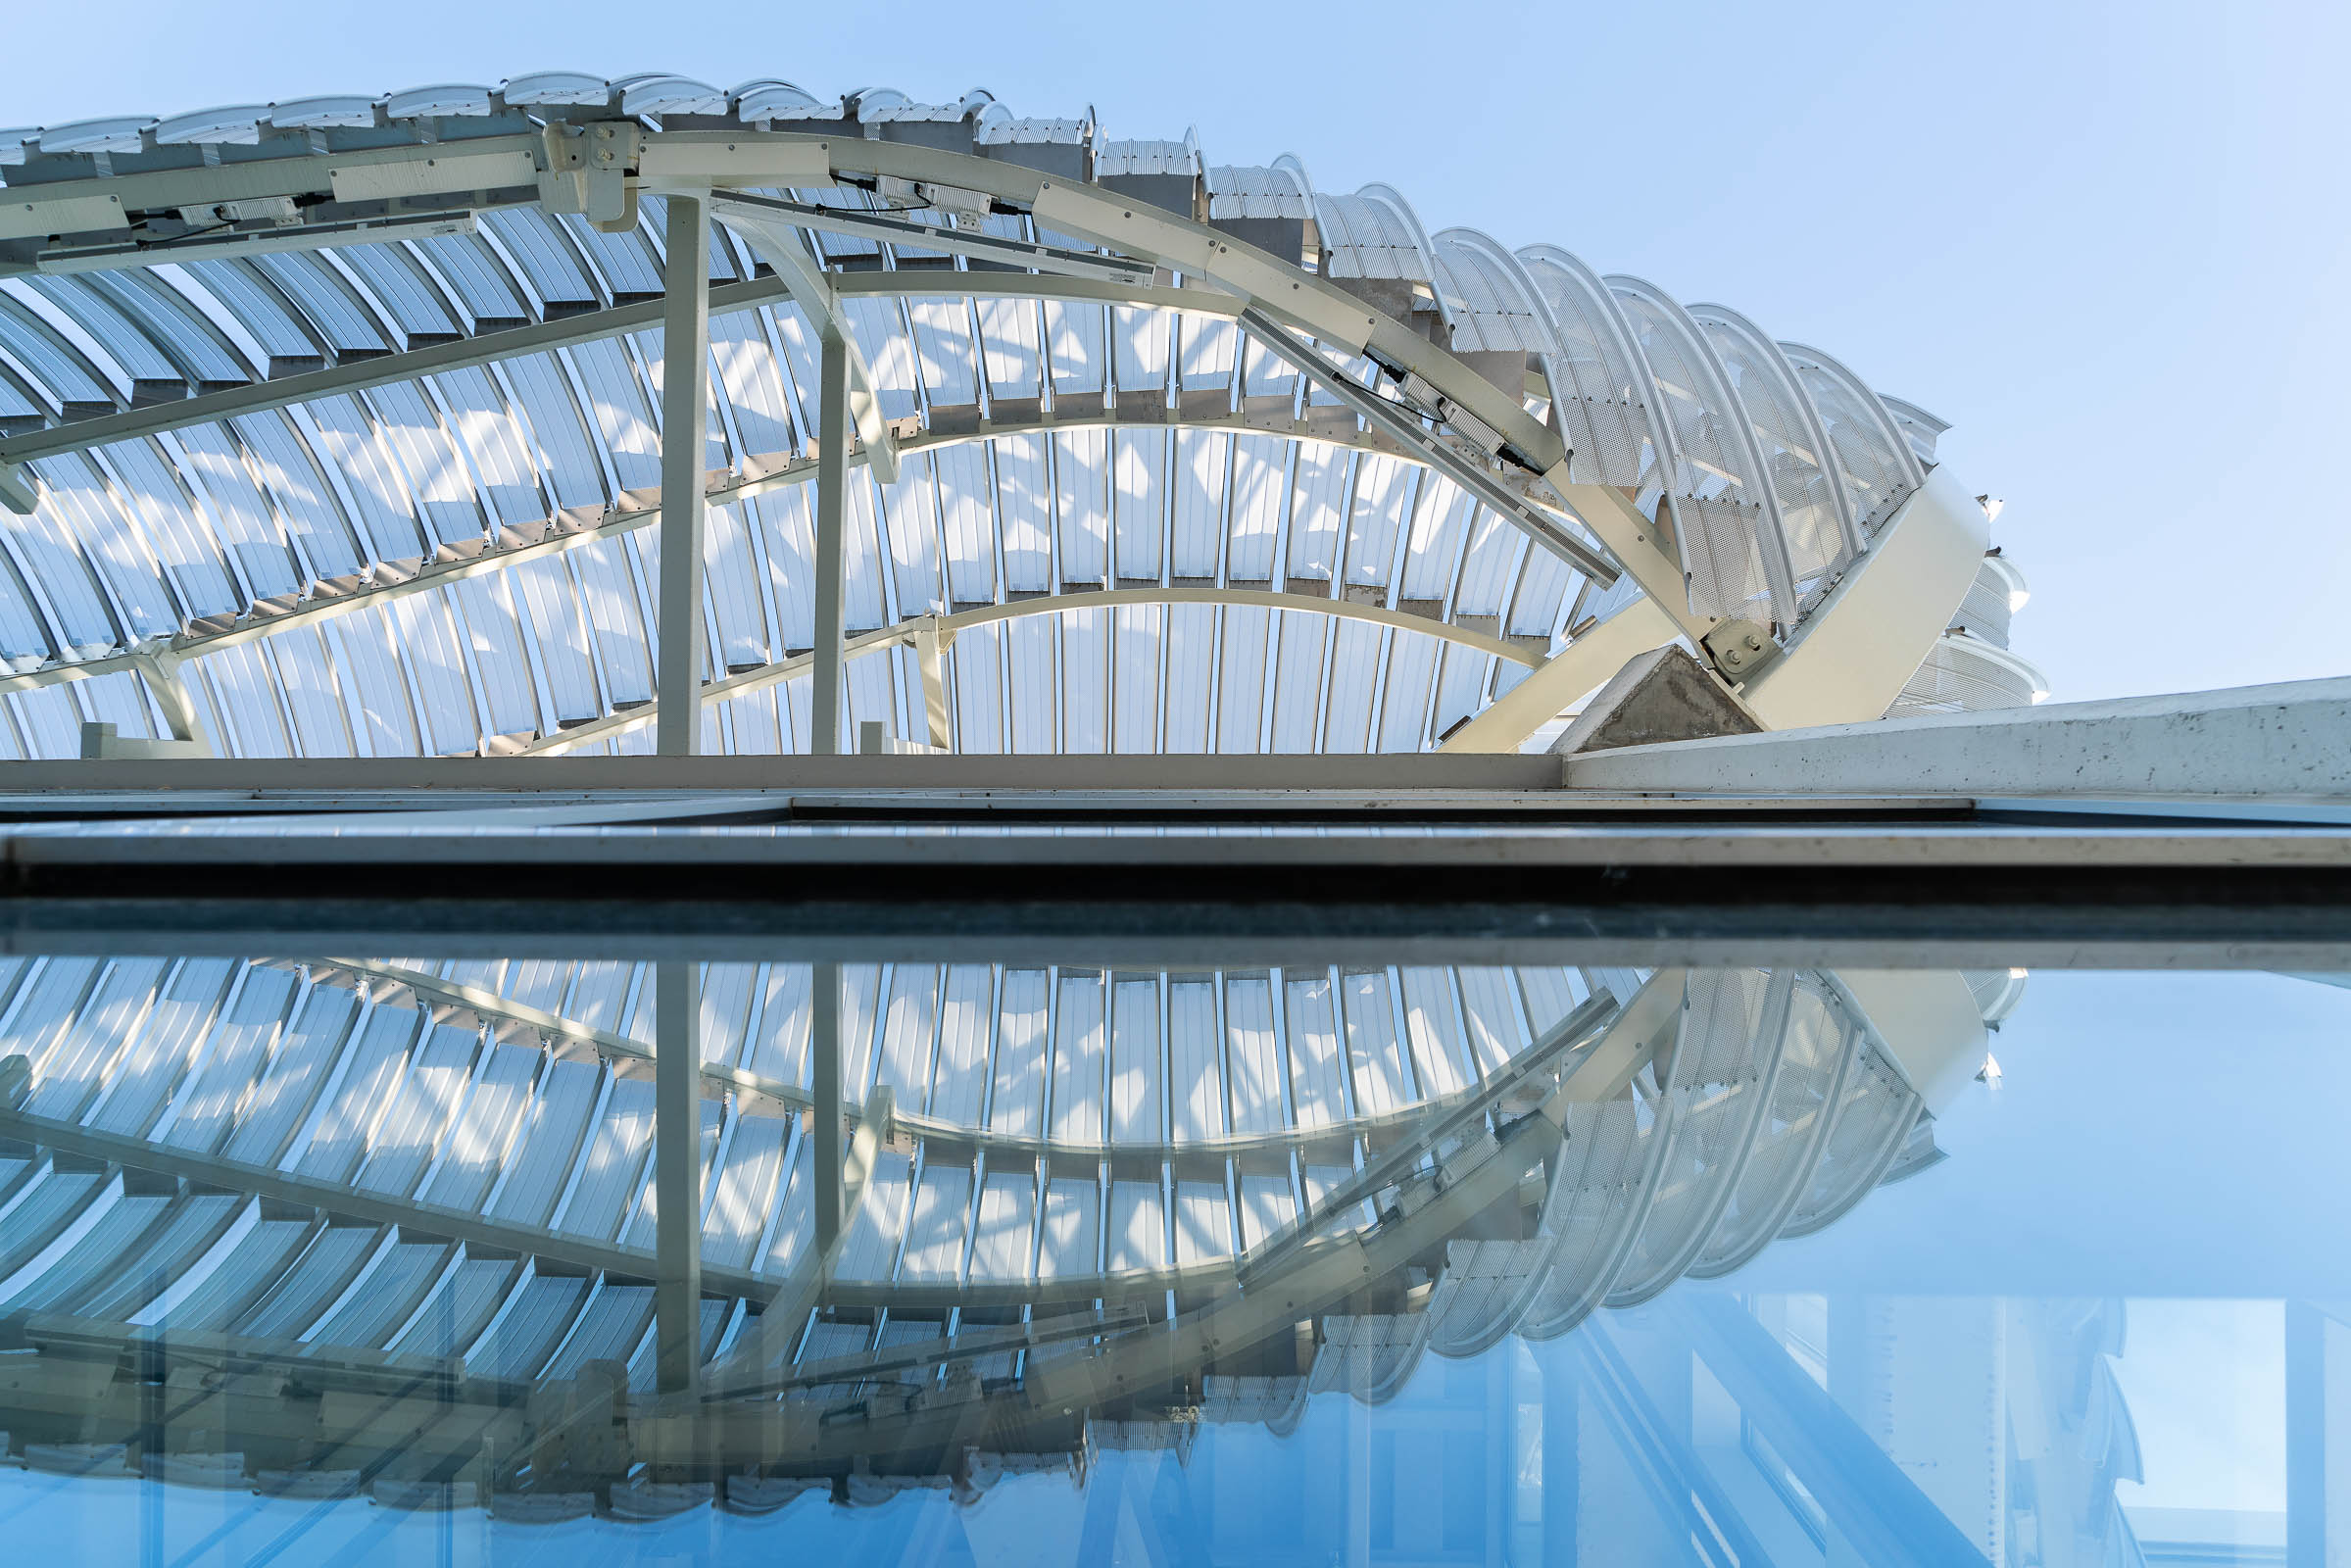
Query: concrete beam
point(1661, 696)
point(2292, 739)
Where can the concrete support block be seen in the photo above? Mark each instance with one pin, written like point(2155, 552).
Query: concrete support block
point(1661, 696)
point(2292, 739)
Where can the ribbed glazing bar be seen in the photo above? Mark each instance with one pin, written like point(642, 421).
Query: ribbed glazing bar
point(685, 392)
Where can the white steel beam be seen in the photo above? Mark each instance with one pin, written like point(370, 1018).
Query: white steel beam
point(159, 674)
point(1850, 658)
point(929, 654)
point(685, 397)
point(977, 245)
point(1510, 719)
point(780, 246)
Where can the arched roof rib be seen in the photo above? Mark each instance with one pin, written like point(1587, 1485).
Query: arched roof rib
point(179, 525)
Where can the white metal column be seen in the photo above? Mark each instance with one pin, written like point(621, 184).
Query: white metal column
point(824, 1039)
point(677, 1179)
point(832, 483)
point(685, 397)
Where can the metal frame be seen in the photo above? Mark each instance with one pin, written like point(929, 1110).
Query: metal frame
point(1276, 298)
point(938, 632)
point(570, 530)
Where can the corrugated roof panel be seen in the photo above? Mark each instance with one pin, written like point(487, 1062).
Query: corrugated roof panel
point(1405, 700)
point(1260, 492)
point(151, 492)
point(314, 699)
point(1301, 657)
point(911, 508)
point(1144, 341)
point(622, 414)
point(1197, 1108)
point(1073, 337)
point(1078, 1059)
point(1312, 1036)
point(1376, 1061)
point(362, 454)
point(486, 611)
point(1081, 473)
point(426, 632)
point(1354, 684)
point(1463, 673)
point(1241, 697)
point(384, 717)
point(947, 358)
point(1016, 1106)
point(1139, 502)
point(959, 1076)
point(967, 526)
point(910, 1034)
point(1085, 669)
point(790, 541)
point(241, 516)
point(1031, 647)
point(276, 328)
point(78, 521)
point(731, 586)
point(287, 467)
point(1191, 632)
point(1069, 1229)
point(1430, 1030)
point(1317, 508)
point(1137, 1230)
point(1011, 333)
point(499, 448)
point(753, 382)
point(1203, 459)
point(244, 688)
point(1136, 656)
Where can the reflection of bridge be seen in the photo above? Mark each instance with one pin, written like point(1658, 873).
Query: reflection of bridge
point(435, 1190)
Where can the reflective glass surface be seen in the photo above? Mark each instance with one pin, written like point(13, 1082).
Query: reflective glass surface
point(375, 1260)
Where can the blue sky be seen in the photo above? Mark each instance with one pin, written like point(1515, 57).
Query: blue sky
point(2105, 241)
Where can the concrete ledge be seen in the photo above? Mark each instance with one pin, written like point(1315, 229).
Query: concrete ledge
point(2294, 738)
point(543, 774)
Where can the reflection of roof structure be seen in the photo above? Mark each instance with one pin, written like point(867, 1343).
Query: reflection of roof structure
point(363, 1174)
point(342, 417)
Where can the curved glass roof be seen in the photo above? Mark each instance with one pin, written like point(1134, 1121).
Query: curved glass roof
point(370, 464)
